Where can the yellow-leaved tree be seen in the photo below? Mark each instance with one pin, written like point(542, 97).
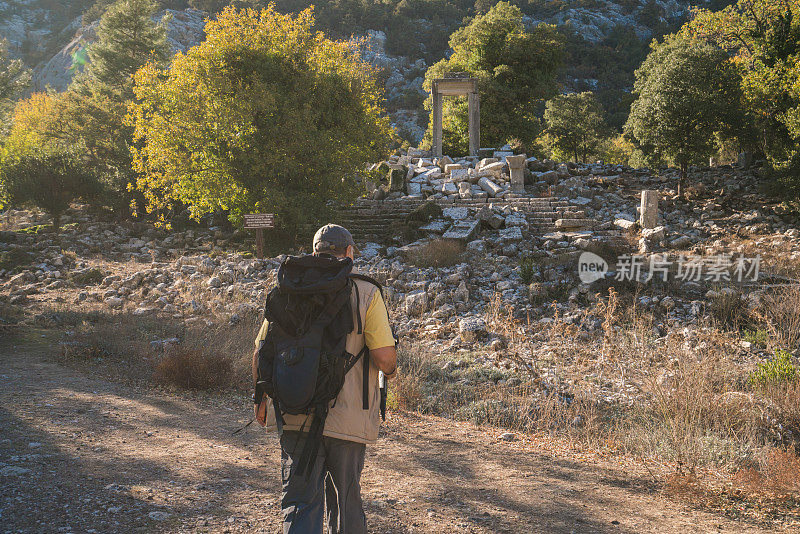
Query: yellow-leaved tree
point(265, 115)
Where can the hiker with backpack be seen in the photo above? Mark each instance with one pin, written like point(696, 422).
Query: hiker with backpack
point(322, 354)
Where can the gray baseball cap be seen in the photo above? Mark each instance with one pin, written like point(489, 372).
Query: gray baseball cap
point(333, 239)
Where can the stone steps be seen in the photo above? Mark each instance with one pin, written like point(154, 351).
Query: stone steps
point(379, 221)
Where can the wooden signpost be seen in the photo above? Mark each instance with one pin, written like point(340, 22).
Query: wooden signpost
point(257, 222)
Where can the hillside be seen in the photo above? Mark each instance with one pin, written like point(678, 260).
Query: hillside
point(606, 41)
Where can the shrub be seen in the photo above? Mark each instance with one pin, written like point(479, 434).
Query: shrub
point(88, 277)
point(14, 258)
point(436, 253)
point(727, 308)
point(776, 371)
point(48, 182)
point(758, 337)
point(527, 268)
point(781, 315)
point(192, 368)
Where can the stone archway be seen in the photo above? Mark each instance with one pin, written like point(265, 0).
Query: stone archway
point(456, 84)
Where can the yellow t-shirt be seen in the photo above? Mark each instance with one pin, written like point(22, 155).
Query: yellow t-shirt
point(377, 331)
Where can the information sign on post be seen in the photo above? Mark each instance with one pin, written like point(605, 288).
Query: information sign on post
point(257, 222)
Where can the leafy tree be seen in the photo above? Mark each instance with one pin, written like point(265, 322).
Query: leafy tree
point(575, 124)
point(264, 115)
point(49, 182)
point(688, 93)
point(762, 38)
point(516, 73)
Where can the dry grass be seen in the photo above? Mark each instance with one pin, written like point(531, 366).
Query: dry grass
point(198, 356)
point(437, 253)
point(468, 391)
point(194, 369)
point(694, 407)
point(780, 313)
point(778, 471)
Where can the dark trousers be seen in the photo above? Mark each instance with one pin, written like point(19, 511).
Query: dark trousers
point(335, 473)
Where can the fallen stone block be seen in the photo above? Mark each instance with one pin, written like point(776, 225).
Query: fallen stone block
point(571, 223)
point(462, 231)
point(489, 186)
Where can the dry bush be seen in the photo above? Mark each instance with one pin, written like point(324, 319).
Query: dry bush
point(145, 348)
point(694, 418)
point(436, 253)
point(778, 471)
point(729, 309)
point(194, 369)
point(468, 391)
point(780, 312)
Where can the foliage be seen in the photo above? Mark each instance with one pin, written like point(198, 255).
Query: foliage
point(127, 38)
point(762, 37)
point(31, 124)
point(777, 371)
point(575, 124)
point(605, 68)
point(516, 72)
point(93, 110)
point(527, 268)
point(687, 93)
point(14, 79)
point(49, 182)
point(215, 6)
point(617, 150)
point(239, 122)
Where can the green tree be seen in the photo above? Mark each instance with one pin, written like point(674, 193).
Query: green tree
point(575, 124)
point(14, 79)
point(762, 39)
point(516, 72)
point(49, 182)
point(127, 38)
point(92, 112)
point(264, 115)
point(687, 94)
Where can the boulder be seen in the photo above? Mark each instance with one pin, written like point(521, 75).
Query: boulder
point(396, 177)
point(416, 303)
point(471, 329)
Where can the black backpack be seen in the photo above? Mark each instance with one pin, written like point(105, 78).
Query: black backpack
point(302, 362)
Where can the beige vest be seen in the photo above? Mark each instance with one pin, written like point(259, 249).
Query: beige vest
point(347, 418)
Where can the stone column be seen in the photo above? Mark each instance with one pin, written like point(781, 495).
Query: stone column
point(648, 217)
point(474, 123)
point(516, 166)
point(437, 121)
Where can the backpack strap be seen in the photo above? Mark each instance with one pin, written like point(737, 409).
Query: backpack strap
point(365, 379)
point(365, 350)
point(313, 439)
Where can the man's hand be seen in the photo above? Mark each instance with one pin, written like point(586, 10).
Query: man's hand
point(385, 359)
point(260, 411)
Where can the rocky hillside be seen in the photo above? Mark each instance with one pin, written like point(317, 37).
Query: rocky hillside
point(53, 41)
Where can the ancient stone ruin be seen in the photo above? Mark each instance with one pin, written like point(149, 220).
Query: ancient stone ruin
point(455, 84)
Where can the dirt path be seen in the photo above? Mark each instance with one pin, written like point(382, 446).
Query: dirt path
point(81, 454)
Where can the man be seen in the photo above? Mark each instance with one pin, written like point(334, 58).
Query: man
point(351, 421)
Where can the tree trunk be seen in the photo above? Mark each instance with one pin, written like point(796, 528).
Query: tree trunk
point(682, 181)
